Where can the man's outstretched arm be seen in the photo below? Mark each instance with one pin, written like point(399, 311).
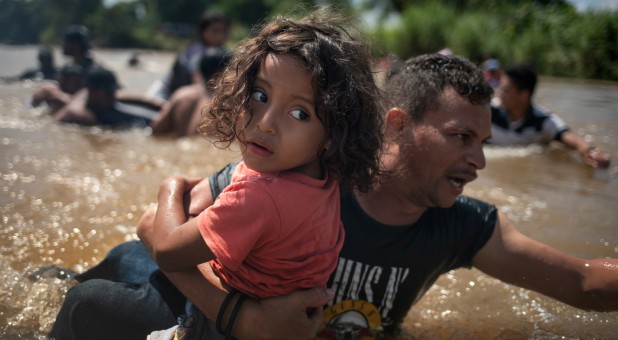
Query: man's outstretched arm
point(515, 258)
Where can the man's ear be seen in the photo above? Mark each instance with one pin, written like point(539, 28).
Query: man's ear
point(396, 121)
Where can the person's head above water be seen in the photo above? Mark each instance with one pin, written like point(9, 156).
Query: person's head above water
point(76, 37)
point(340, 92)
point(213, 60)
point(213, 29)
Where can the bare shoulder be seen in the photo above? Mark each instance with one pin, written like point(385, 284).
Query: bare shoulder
point(189, 92)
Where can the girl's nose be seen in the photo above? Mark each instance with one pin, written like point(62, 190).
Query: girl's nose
point(266, 122)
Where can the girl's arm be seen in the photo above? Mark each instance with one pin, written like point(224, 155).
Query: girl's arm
point(177, 243)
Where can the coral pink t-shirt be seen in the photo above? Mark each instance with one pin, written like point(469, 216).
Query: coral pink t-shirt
point(274, 233)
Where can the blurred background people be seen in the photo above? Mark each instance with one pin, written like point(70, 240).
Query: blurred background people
point(212, 31)
point(101, 103)
point(56, 94)
point(71, 77)
point(46, 69)
point(76, 45)
point(519, 122)
point(182, 114)
point(492, 72)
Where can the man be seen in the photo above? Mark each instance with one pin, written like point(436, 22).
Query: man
point(413, 227)
point(72, 76)
point(57, 94)
point(100, 103)
point(520, 122)
point(45, 71)
point(76, 45)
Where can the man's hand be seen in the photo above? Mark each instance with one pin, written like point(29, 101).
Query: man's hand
point(297, 315)
point(596, 158)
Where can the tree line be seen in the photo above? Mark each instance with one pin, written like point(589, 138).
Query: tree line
point(550, 34)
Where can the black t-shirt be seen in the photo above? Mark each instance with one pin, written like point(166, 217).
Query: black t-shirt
point(383, 270)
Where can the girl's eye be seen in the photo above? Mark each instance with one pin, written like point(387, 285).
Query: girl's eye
point(299, 114)
point(259, 96)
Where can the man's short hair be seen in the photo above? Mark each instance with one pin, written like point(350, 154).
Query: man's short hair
point(102, 79)
point(78, 34)
point(416, 86)
point(523, 76)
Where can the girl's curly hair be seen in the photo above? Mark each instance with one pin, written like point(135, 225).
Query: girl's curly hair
point(346, 94)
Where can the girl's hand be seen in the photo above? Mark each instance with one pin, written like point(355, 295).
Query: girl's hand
point(199, 198)
point(145, 227)
point(177, 191)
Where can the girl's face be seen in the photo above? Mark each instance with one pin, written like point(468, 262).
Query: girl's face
point(284, 132)
point(215, 34)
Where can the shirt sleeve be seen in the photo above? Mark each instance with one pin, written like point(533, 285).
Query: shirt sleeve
point(477, 221)
point(242, 218)
point(554, 127)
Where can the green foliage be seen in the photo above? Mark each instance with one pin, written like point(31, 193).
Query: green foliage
point(470, 35)
point(550, 34)
point(418, 32)
point(19, 23)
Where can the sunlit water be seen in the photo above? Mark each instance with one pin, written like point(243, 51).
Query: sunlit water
point(69, 194)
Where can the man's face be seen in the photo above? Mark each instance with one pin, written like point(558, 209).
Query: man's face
point(215, 34)
point(510, 96)
point(442, 153)
point(70, 48)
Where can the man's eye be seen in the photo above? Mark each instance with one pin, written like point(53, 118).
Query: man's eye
point(259, 96)
point(462, 137)
point(299, 114)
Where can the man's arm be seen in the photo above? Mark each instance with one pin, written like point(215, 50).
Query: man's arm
point(593, 156)
point(51, 94)
point(517, 259)
point(75, 111)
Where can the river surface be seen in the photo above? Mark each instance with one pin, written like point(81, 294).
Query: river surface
point(68, 194)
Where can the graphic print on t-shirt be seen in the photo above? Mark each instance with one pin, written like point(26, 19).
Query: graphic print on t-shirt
point(357, 286)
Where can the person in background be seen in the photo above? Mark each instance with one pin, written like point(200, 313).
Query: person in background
point(45, 71)
point(181, 115)
point(100, 103)
point(76, 45)
point(56, 94)
point(518, 121)
point(72, 76)
point(492, 72)
point(212, 31)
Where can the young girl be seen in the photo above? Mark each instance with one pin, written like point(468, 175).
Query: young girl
point(300, 100)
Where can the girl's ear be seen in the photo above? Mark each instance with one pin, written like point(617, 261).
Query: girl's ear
point(396, 121)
